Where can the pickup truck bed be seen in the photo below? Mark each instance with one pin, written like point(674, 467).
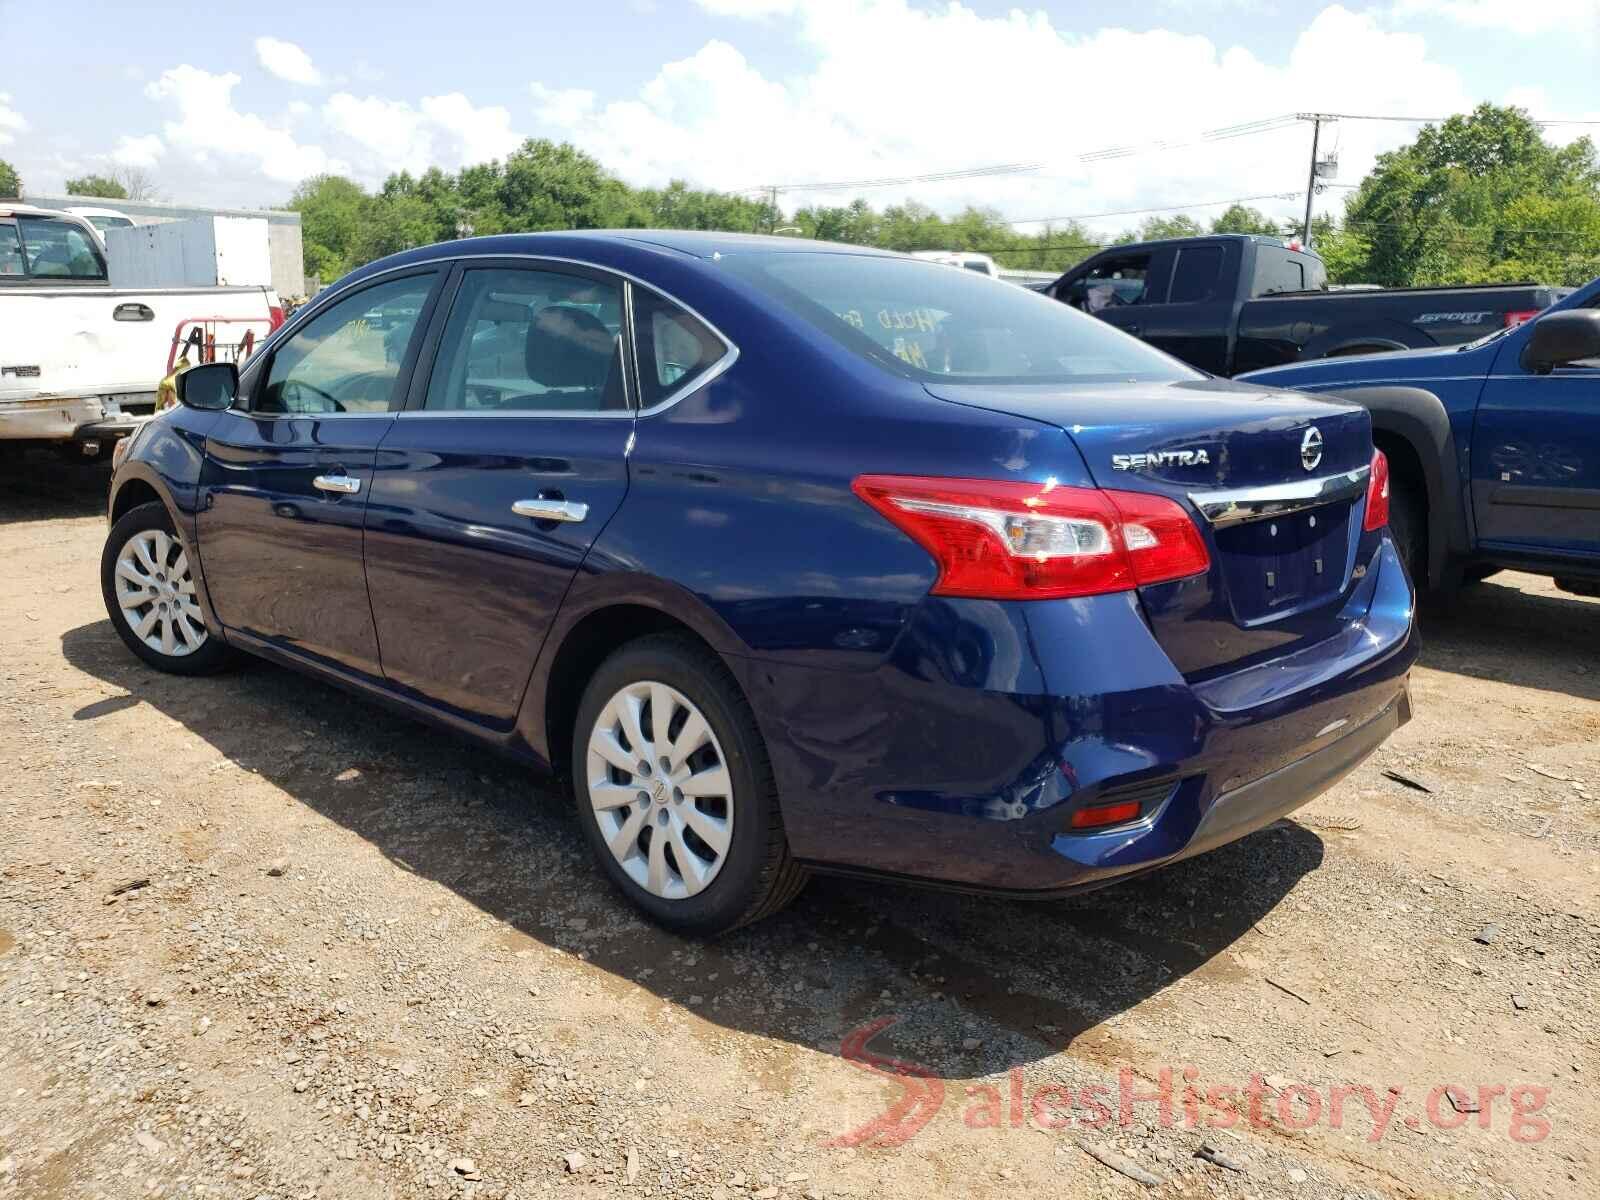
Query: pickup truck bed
point(1230, 303)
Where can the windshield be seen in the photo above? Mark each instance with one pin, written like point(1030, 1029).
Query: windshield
point(59, 249)
point(927, 322)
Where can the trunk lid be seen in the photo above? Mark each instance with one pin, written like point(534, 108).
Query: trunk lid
point(1274, 480)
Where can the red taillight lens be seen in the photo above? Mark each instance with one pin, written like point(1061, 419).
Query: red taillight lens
point(1521, 315)
point(274, 316)
point(1097, 815)
point(1034, 541)
point(1377, 493)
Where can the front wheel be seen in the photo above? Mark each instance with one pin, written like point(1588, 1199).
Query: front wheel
point(147, 581)
point(675, 791)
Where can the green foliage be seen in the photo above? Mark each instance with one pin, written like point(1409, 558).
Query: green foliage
point(1477, 198)
point(1236, 218)
point(97, 185)
point(10, 181)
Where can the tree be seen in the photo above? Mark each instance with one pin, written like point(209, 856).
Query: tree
point(136, 182)
point(1440, 211)
point(1236, 218)
point(10, 181)
point(332, 216)
point(97, 185)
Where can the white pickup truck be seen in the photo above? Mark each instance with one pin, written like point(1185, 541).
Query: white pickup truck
point(80, 361)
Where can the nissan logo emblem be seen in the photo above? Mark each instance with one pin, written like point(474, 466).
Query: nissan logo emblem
point(1311, 449)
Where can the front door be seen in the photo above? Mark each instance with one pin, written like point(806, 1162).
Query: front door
point(492, 485)
point(1536, 456)
point(287, 473)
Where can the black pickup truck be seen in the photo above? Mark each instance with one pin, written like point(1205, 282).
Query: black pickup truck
point(1235, 302)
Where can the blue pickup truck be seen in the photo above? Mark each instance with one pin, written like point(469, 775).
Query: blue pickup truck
point(1493, 446)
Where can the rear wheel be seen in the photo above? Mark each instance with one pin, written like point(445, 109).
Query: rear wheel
point(148, 584)
point(1408, 525)
point(675, 791)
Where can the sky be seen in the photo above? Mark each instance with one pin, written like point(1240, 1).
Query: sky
point(234, 105)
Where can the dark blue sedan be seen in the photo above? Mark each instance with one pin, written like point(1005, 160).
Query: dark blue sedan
point(791, 557)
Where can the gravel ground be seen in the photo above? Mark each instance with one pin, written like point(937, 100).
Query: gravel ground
point(258, 938)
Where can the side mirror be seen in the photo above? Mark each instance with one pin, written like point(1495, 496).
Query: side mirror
point(209, 386)
point(1562, 338)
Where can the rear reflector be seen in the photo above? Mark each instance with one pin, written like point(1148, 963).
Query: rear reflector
point(1377, 493)
point(999, 540)
point(1097, 815)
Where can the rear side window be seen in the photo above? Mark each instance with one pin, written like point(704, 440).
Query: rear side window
point(1278, 271)
point(674, 347)
point(1198, 275)
point(530, 341)
point(59, 249)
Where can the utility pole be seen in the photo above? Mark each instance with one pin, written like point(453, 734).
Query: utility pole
point(772, 202)
point(1311, 180)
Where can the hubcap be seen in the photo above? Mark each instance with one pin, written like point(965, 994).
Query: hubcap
point(155, 592)
point(660, 789)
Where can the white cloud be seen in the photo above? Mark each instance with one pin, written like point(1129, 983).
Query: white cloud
point(143, 151)
point(287, 61)
point(1579, 18)
point(210, 130)
point(11, 121)
point(445, 131)
point(901, 88)
point(749, 8)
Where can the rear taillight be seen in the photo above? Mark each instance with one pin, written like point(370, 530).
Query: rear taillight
point(274, 316)
point(1033, 541)
point(1377, 493)
point(1521, 315)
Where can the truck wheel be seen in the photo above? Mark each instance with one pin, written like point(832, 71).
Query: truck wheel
point(1408, 525)
point(675, 791)
point(148, 585)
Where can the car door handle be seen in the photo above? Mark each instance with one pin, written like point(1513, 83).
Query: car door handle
point(551, 510)
point(342, 485)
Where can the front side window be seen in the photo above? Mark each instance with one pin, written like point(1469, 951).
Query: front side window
point(530, 340)
point(927, 322)
point(57, 249)
point(10, 250)
point(1112, 284)
point(674, 347)
point(347, 358)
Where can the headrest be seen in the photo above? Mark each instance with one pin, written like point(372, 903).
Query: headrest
point(568, 348)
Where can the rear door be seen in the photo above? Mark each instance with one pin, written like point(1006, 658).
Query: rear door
point(1193, 319)
point(510, 458)
point(288, 471)
point(1536, 456)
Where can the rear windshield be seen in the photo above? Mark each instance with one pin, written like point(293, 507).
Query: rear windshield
point(927, 322)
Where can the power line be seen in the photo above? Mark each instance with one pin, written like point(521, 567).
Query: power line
point(1540, 121)
point(1015, 168)
point(1133, 212)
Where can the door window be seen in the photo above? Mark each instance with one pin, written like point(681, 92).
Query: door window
point(528, 340)
point(347, 358)
point(674, 347)
point(1112, 284)
point(1198, 275)
point(10, 250)
point(59, 249)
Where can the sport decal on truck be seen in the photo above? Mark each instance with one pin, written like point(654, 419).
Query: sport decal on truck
point(25, 371)
point(1454, 318)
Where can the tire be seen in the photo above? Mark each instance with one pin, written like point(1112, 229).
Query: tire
point(144, 556)
point(1408, 525)
point(741, 869)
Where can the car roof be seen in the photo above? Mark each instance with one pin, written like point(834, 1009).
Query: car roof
point(15, 208)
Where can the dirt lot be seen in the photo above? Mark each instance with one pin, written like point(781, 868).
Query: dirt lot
point(258, 938)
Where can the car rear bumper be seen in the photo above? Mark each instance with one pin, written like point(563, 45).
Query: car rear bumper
point(929, 771)
point(72, 418)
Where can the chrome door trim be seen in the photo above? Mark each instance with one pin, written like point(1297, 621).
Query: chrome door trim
point(551, 510)
point(1235, 506)
point(340, 485)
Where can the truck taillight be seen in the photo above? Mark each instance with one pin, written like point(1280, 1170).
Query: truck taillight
point(275, 317)
point(999, 540)
point(1377, 493)
point(1521, 315)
